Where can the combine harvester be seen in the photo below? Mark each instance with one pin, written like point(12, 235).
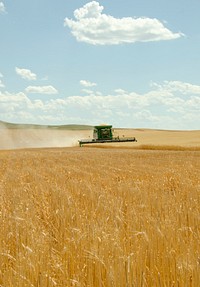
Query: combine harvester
point(104, 134)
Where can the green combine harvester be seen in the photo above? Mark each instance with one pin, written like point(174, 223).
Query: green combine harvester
point(104, 134)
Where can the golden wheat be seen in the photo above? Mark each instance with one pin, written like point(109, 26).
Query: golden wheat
point(99, 217)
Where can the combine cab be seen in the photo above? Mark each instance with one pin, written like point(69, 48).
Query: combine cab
point(104, 134)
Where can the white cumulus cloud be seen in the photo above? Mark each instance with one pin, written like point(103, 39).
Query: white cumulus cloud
point(94, 27)
point(168, 105)
point(185, 88)
point(1, 84)
point(49, 90)
point(87, 84)
point(2, 7)
point(26, 74)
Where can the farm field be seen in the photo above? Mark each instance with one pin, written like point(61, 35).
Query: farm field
point(16, 138)
point(99, 217)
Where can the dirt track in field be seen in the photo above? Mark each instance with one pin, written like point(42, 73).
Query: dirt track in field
point(36, 138)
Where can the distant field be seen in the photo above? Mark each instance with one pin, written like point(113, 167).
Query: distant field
point(99, 217)
point(68, 136)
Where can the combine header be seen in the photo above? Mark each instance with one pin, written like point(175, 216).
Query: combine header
point(104, 134)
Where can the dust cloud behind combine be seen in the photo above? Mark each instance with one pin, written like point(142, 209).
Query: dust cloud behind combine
point(39, 138)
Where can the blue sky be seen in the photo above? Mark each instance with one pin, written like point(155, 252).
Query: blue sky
point(124, 62)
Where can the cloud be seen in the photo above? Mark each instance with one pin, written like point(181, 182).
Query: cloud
point(16, 107)
point(9, 102)
point(185, 88)
point(93, 27)
point(26, 74)
point(159, 108)
point(87, 84)
point(1, 84)
point(2, 7)
point(167, 105)
point(49, 90)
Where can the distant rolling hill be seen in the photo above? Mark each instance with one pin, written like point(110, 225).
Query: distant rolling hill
point(55, 127)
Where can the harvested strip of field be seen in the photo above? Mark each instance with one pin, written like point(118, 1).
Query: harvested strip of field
point(149, 137)
point(99, 217)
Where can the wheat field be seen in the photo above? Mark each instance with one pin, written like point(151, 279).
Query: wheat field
point(99, 217)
